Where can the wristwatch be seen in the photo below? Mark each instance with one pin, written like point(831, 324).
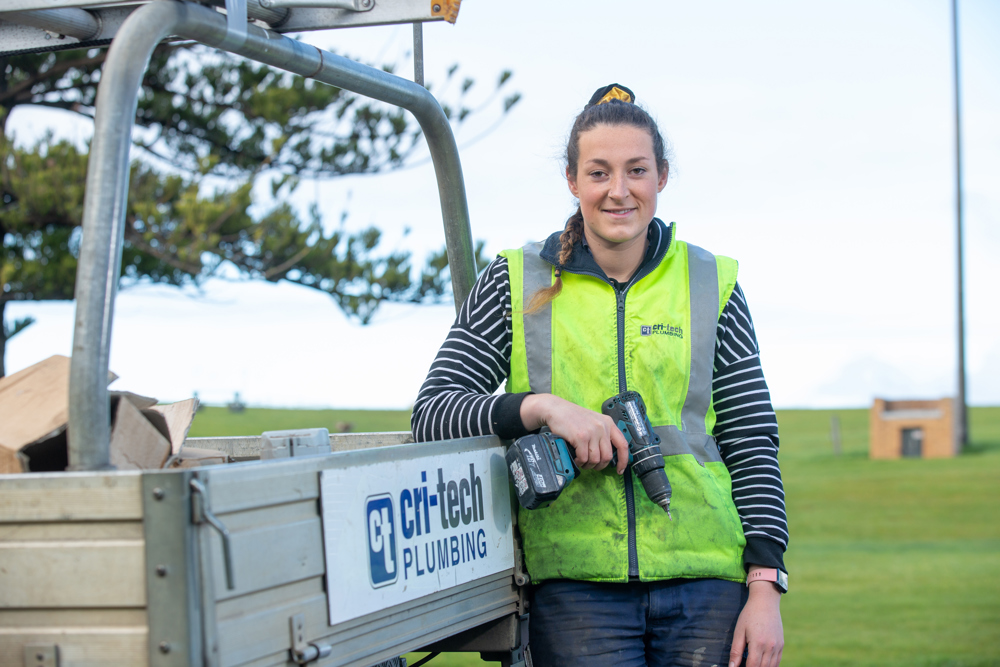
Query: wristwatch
point(772, 574)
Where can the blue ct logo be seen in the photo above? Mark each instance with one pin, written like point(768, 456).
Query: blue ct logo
point(381, 540)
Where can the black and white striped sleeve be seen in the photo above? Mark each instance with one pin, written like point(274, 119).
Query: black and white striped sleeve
point(456, 398)
point(747, 432)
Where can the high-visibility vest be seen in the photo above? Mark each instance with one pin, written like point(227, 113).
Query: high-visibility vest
point(658, 338)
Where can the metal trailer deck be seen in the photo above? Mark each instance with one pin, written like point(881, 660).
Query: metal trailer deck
point(124, 569)
point(221, 565)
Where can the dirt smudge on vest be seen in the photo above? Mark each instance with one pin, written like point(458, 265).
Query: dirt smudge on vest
point(706, 501)
point(583, 534)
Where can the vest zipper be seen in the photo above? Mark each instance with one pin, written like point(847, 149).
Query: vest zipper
point(633, 551)
point(620, 292)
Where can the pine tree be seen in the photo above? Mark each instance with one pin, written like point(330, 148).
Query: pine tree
point(209, 126)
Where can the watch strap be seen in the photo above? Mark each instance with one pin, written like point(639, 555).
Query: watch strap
point(772, 574)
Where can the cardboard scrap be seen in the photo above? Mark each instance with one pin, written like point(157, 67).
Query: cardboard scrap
point(141, 402)
point(34, 411)
point(10, 461)
point(34, 404)
point(135, 443)
point(178, 417)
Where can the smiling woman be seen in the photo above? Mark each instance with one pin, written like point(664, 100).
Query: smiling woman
point(614, 303)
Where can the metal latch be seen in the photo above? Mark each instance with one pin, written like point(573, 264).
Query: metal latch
point(41, 655)
point(200, 513)
point(303, 651)
point(520, 656)
point(521, 577)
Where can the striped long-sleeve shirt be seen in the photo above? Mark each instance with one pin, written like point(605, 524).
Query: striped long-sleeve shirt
point(457, 400)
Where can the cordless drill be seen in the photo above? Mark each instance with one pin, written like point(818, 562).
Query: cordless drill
point(541, 465)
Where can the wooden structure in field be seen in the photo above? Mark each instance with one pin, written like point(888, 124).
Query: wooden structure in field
point(912, 429)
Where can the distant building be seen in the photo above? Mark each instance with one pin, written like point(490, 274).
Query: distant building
point(913, 429)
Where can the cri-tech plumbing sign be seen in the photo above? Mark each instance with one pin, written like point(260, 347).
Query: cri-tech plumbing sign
point(399, 530)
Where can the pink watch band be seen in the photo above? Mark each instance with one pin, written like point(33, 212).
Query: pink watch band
point(772, 574)
point(763, 574)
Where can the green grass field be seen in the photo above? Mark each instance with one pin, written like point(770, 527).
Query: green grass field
point(254, 421)
point(893, 562)
point(890, 562)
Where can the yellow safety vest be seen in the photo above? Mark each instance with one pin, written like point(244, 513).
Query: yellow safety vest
point(657, 338)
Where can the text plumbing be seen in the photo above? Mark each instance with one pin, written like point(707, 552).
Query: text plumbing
point(435, 525)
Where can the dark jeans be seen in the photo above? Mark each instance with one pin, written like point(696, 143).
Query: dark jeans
point(681, 622)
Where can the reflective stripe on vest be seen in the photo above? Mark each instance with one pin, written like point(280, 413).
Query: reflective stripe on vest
point(538, 325)
point(703, 281)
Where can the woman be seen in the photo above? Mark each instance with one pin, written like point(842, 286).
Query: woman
point(612, 303)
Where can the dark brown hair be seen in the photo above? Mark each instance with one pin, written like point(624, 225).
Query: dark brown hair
point(612, 112)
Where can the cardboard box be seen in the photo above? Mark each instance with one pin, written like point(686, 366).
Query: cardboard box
point(34, 404)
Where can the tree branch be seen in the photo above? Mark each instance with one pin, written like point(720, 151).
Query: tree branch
point(75, 107)
point(221, 220)
point(160, 156)
point(281, 268)
point(57, 69)
point(135, 239)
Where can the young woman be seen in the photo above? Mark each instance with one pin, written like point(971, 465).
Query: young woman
point(616, 302)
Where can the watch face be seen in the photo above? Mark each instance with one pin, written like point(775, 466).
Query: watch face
point(782, 581)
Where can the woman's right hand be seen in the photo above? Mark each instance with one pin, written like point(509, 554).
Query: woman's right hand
point(592, 435)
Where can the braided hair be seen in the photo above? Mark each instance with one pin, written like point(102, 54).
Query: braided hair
point(611, 105)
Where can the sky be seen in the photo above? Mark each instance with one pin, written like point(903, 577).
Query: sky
point(813, 142)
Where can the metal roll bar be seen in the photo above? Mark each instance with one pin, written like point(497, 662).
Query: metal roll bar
point(78, 23)
point(108, 171)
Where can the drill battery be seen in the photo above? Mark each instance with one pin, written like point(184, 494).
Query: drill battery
point(540, 466)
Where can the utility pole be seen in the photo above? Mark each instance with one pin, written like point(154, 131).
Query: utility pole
point(963, 418)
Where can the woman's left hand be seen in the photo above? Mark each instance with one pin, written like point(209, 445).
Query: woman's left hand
point(758, 628)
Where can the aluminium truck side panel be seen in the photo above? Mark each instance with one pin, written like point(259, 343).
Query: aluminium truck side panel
point(111, 568)
point(273, 514)
point(72, 568)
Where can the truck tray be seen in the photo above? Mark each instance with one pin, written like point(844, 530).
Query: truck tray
point(126, 568)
